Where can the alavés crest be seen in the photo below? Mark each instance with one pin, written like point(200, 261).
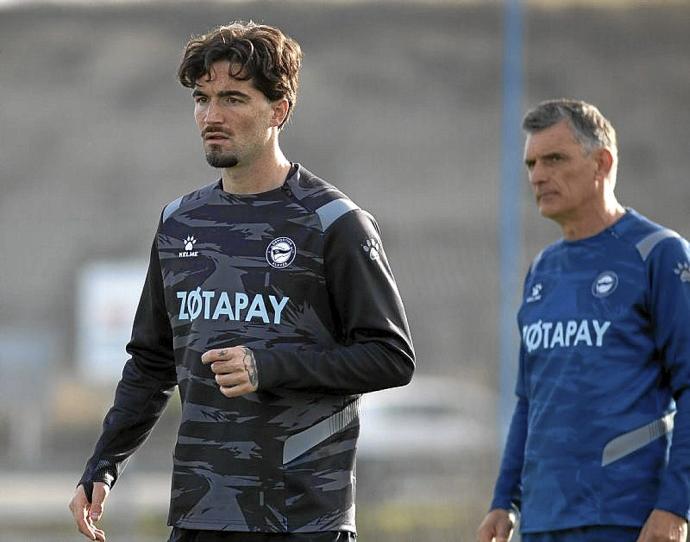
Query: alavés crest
point(236, 306)
point(548, 335)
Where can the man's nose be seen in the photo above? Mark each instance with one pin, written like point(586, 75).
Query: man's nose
point(537, 174)
point(213, 114)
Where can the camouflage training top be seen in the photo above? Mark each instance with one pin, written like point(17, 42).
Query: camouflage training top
point(299, 275)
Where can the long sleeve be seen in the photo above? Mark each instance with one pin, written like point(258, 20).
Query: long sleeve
point(148, 380)
point(508, 488)
point(670, 307)
point(374, 348)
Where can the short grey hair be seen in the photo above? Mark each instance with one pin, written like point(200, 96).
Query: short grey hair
point(591, 129)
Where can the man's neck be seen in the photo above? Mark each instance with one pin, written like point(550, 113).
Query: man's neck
point(259, 176)
point(592, 222)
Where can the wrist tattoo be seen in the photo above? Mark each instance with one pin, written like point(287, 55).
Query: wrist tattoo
point(250, 367)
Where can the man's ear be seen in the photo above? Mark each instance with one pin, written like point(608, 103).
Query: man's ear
point(280, 108)
point(604, 163)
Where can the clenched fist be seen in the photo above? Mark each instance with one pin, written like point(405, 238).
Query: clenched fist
point(235, 370)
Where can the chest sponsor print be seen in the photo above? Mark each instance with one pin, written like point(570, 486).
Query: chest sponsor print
point(235, 306)
point(548, 335)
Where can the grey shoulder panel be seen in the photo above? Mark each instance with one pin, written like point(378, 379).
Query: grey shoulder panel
point(647, 244)
point(171, 207)
point(333, 210)
point(196, 198)
point(536, 260)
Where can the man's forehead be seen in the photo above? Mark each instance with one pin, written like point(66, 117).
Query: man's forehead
point(557, 136)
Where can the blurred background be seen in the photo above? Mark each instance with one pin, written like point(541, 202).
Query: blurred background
point(401, 107)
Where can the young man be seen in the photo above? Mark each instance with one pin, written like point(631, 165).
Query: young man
point(269, 301)
point(605, 352)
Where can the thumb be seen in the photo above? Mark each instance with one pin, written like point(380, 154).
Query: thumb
point(100, 492)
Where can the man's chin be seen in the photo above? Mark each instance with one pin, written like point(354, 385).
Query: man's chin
point(548, 211)
point(220, 160)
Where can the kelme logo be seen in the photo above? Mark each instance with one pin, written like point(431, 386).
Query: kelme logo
point(188, 251)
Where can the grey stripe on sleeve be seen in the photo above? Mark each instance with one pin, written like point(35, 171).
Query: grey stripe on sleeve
point(647, 244)
point(333, 210)
point(304, 441)
point(632, 441)
point(171, 207)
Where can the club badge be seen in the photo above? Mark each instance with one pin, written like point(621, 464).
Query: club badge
point(604, 284)
point(281, 252)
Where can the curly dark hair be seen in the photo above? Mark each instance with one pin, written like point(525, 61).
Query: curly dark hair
point(260, 53)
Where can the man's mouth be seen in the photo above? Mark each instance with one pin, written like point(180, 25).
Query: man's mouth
point(214, 136)
point(543, 195)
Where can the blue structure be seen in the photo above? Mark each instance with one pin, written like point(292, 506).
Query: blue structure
point(510, 224)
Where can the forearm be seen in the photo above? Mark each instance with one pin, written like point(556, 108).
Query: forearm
point(507, 492)
point(357, 368)
point(139, 401)
point(674, 491)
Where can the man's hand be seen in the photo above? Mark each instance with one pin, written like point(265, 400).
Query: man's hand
point(235, 370)
point(497, 526)
point(662, 526)
point(86, 513)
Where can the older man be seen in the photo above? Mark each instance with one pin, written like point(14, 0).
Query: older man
point(604, 357)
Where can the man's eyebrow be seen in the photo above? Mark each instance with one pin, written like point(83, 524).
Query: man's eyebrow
point(236, 93)
point(222, 94)
point(545, 156)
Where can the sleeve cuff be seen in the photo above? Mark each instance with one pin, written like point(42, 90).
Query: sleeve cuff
point(263, 369)
point(674, 495)
point(504, 503)
point(105, 472)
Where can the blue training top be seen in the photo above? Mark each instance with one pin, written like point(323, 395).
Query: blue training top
point(605, 350)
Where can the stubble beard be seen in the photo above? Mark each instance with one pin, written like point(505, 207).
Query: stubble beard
point(219, 159)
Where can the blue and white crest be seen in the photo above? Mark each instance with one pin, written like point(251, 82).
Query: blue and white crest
point(605, 284)
point(281, 252)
